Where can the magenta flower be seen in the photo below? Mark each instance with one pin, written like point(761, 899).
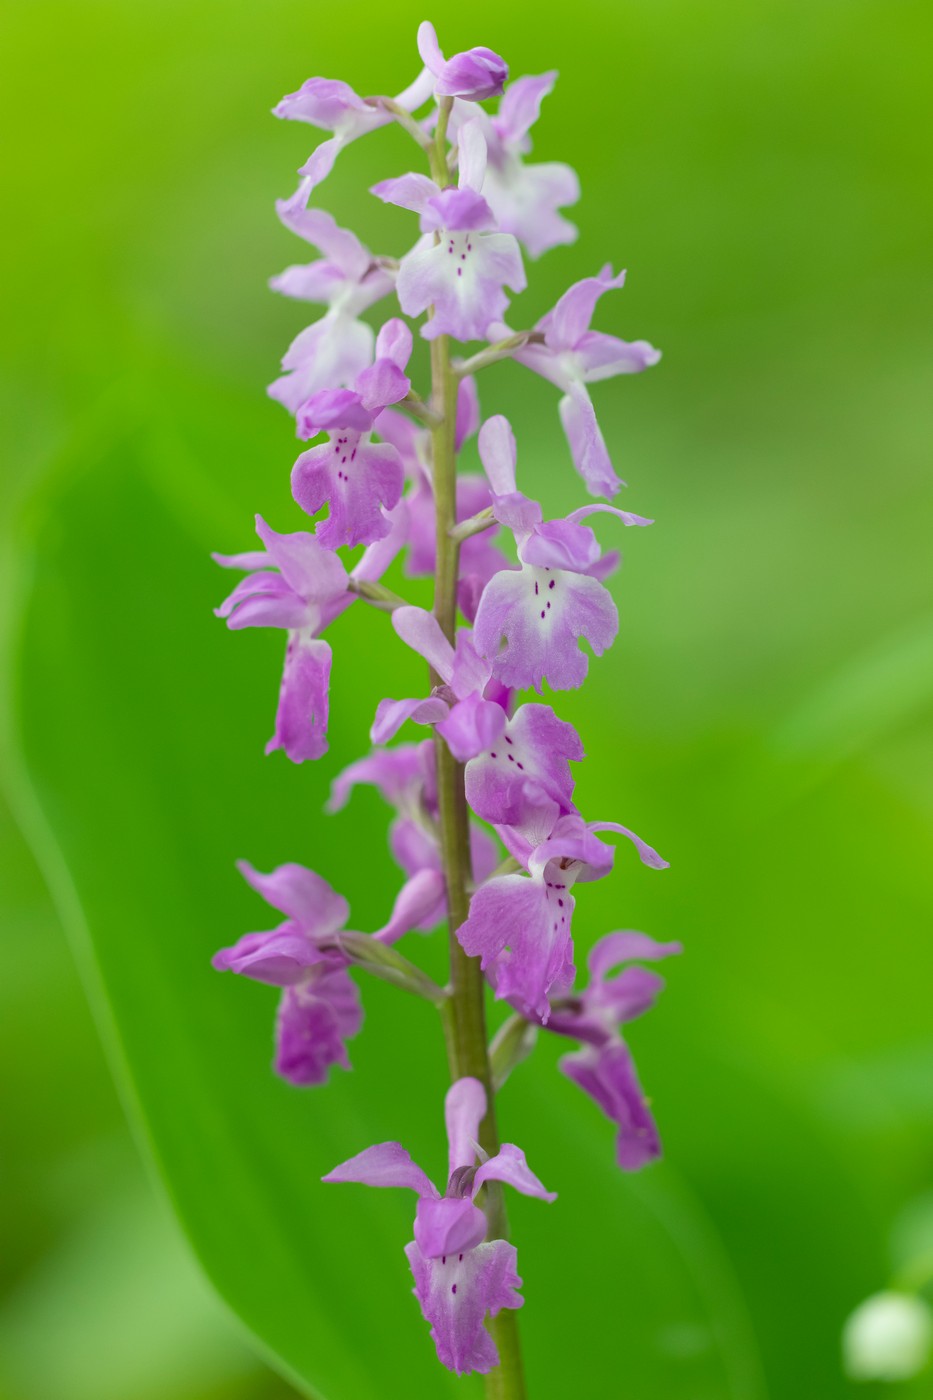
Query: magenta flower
point(603, 1067)
point(347, 280)
point(468, 721)
point(333, 106)
point(520, 925)
point(525, 198)
point(360, 480)
point(462, 272)
point(524, 782)
point(459, 1277)
point(320, 1007)
point(529, 621)
point(473, 75)
point(307, 592)
point(573, 356)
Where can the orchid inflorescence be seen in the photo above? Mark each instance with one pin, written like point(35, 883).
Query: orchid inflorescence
point(386, 473)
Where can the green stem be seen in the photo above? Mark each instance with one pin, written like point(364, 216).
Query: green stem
point(465, 1019)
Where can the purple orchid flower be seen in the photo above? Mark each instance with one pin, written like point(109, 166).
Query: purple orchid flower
point(347, 280)
point(360, 480)
point(468, 722)
point(524, 198)
point(520, 925)
point(320, 1007)
point(460, 267)
point(473, 75)
point(523, 780)
point(541, 610)
point(332, 105)
point(304, 597)
point(573, 356)
point(460, 1277)
point(603, 1067)
point(306, 593)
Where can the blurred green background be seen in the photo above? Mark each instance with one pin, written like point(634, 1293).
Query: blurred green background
point(762, 170)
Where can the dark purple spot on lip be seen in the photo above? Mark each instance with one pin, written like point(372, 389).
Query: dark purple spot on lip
point(459, 271)
point(492, 755)
point(536, 590)
point(561, 903)
point(443, 1258)
point(549, 605)
point(453, 1286)
point(461, 1258)
point(510, 758)
point(552, 583)
point(521, 766)
point(542, 614)
point(508, 740)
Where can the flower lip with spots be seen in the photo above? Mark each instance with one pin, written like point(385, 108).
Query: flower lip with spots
point(529, 621)
point(460, 266)
point(360, 480)
point(520, 925)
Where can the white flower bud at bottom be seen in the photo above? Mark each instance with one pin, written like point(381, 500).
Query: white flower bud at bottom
point(887, 1338)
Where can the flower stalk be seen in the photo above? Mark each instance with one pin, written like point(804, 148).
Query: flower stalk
point(467, 1034)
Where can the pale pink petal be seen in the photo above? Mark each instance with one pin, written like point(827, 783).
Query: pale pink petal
point(386, 1164)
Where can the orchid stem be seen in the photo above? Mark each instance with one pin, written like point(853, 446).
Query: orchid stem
point(466, 1012)
point(375, 593)
point(499, 350)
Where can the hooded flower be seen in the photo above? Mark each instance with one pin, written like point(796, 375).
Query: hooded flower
point(573, 356)
point(347, 280)
point(603, 1067)
point(320, 1007)
point(460, 267)
point(333, 106)
point(529, 621)
point(473, 75)
point(360, 480)
point(519, 925)
point(459, 1276)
